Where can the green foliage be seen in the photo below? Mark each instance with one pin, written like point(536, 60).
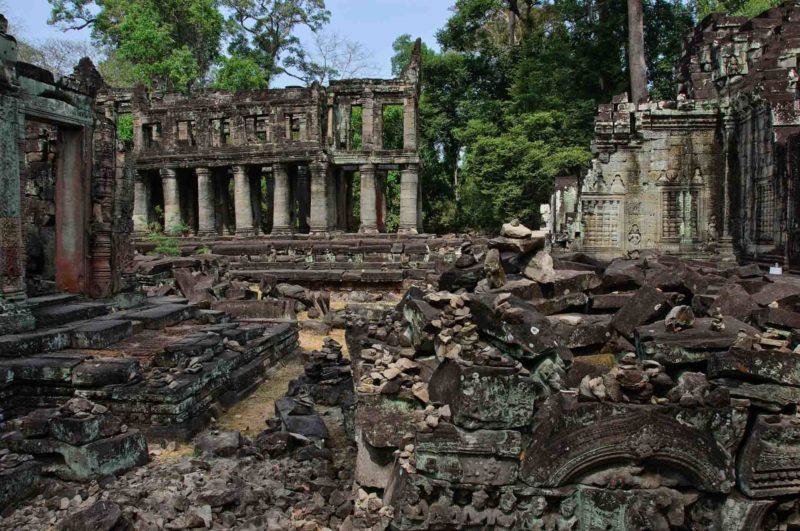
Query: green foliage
point(743, 8)
point(125, 127)
point(392, 220)
point(503, 112)
point(240, 73)
point(393, 127)
point(356, 127)
point(168, 44)
point(511, 169)
point(164, 244)
point(264, 31)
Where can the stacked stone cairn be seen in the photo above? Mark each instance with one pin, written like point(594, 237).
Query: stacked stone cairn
point(539, 391)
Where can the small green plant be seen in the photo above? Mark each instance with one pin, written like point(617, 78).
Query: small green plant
point(205, 249)
point(179, 227)
point(166, 245)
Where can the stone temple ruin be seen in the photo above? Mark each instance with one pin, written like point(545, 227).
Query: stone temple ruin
point(716, 170)
point(640, 379)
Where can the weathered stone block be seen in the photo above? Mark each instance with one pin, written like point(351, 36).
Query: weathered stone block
point(482, 457)
point(647, 305)
point(692, 345)
point(101, 334)
point(772, 366)
point(770, 459)
point(484, 397)
point(99, 372)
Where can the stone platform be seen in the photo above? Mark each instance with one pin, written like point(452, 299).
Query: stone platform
point(162, 367)
point(384, 260)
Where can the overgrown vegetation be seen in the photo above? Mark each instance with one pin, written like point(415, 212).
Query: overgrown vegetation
point(508, 97)
point(164, 244)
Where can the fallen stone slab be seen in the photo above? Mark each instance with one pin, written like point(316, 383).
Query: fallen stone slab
point(604, 302)
point(692, 345)
point(519, 329)
point(648, 304)
point(734, 301)
point(103, 457)
point(100, 334)
point(516, 245)
point(581, 330)
point(771, 366)
point(61, 314)
point(162, 316)
point(771, 397)
point(220, 444)
point(785, 294)
point(563, 303)
point(27, 344)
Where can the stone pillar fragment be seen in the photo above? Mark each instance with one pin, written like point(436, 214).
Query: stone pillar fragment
point(241, 201)
point(369, 216)
point(206, 214)
point(410, 124)
point(409, 203)
point(319, 199)
point(141, 202)
point(367, 121)
point(172, 200)
point(281, 215)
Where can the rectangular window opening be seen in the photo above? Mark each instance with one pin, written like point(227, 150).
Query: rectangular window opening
point(393, 127)
point(356, 126)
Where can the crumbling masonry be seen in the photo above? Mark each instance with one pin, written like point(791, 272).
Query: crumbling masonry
point(306, 144)
point(714, 171)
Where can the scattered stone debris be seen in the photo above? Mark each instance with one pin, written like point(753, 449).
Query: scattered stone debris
point(576, 394)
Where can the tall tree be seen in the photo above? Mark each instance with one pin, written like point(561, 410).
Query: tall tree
point(166, 43)
point(264, 31)
point(637, 64)
point(330, 57)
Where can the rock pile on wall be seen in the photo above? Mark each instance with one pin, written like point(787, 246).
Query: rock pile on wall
point(538, 392)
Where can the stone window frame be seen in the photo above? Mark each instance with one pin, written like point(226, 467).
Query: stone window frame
point(152, 135)
point(191, 127)
point(620, 199)
point(697, 189)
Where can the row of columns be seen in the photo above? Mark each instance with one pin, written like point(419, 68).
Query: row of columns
point(322, 213)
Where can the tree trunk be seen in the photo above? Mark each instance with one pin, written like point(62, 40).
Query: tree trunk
point(512, 28)
point(636, 62)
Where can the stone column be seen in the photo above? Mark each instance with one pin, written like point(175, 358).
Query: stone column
point(241, 201)
point(319, 199)
point(206, 211)
point(409, 186)
point(14, 314)
point(141, 202)
point(172, 200)
point(281, 215)
point(369, 216)
point(410, 124)
point(367, 120)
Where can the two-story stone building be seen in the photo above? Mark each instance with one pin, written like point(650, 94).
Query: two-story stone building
point(278, 161)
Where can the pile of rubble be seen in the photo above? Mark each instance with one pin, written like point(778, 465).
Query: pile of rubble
point(532, 391)
point(286, 477)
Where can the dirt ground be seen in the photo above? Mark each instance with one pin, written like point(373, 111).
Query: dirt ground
point(248, 415)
